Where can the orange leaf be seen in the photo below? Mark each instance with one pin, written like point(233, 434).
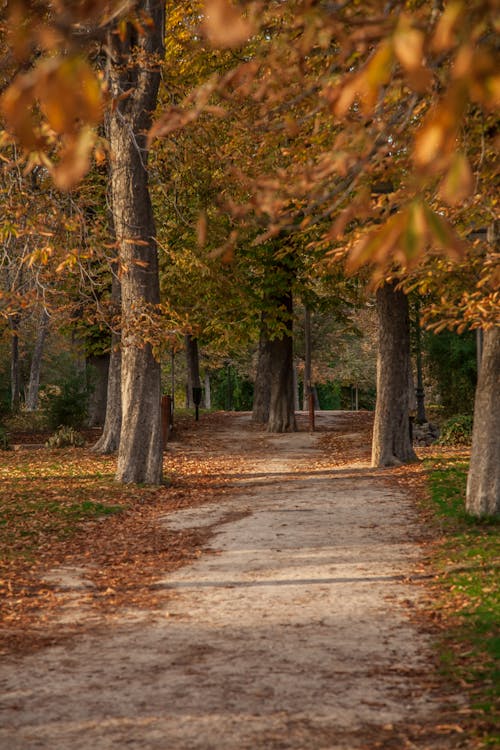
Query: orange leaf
point(75, 159)
point(458, 182)
point(408, 45)
point(224, 26)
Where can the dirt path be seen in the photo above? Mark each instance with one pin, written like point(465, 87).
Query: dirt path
point(292, 631)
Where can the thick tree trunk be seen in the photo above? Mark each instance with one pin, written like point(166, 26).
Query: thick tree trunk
point(391, 434)
point(15, 373)
point(483, 485)
point(273, 392)
point(262, 387)
point(36, 363)
point(281, 405)
point(98, 368)
point(133, 69)
point(281, 402)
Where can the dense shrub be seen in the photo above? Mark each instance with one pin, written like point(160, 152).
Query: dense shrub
point(451, 360)
point(66, 404)
point(27, 421)
point(4, 439)
point(230, 390)
point(64, 438)
point(457, 431)
point(328, 395)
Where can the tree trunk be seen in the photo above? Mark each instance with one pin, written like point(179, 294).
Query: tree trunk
point(15, 375)
point(296, 400)
point(483, 484)
point(36, 363)
point(281, 405)
point(192, 368)
point(281, 402)
point(98, 368)
point(208, 394)
point(419, 391)
point(307, 359)
point(110, 438)
point(134, 72)
point(262, 387)
point(391, 434)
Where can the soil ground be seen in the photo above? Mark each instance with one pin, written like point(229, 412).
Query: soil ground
point(295, 628)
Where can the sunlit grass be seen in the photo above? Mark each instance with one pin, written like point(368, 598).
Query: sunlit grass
point(46, 496)
point(468, 555)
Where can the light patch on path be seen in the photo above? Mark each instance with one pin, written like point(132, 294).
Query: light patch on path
point(291, 633)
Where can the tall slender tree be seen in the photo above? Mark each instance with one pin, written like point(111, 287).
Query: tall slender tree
point(135, 56)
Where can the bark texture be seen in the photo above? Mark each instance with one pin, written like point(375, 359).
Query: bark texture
point(281, 404)
point(36, 363)
point(110, 438)
point(98, 368)
point(133, 70)
point(15, 372)
point(262, 387)
point(208, 393)
point(483, 484)
point(274, 402)
point(391, 433)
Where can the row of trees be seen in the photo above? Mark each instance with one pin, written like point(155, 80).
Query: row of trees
point(293, 144)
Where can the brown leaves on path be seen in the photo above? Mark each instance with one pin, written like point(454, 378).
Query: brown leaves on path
point(77, 548)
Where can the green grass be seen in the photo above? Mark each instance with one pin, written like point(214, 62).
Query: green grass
point(46, 496)
point(468, 558)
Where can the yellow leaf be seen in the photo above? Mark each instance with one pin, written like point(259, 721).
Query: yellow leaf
point(69, 92)
point(445, 29)
point(408, 45)
point(75, 159)
point(378, 71)
point(458, 182)
point(435, 142)
point(429, 142)
point(346, 97)
point(444, 236)
point(16, 105)
point(224, 26)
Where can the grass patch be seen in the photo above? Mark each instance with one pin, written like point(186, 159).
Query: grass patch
point(468, 594)
point(46, 496)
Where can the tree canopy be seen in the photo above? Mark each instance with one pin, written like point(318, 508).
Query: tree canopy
point(308, 145)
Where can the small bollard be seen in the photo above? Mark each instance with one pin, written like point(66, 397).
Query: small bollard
point(197, 400)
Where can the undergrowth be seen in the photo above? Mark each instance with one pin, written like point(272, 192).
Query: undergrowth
point(468, 595)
